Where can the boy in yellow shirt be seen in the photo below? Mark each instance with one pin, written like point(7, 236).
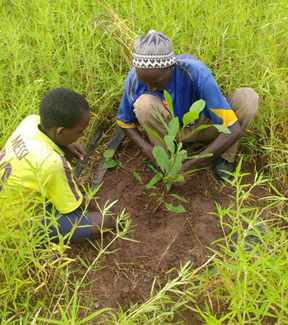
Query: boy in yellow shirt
point(32, 162)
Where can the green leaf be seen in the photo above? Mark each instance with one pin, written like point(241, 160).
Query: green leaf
point(156, 135)
point(194, 112)
point(137, 176)
point(222, 129)
point(50, 321)
point(173, 127)
point(156, 178)
point(201, 127)
point(82, 262)
point(175, 169)
point(193, 171)
point(180, 178)
point(198, 105)
point(178, 197)
point(109, 153)
point(168, 186)
point(169, 102)
point(161, 119)
point(96, 313)
point(161, 157)
point(190, 117)
point(179, 158)
point(110, 164)
point(205, 155)
point(170, 143)
point(178, 209)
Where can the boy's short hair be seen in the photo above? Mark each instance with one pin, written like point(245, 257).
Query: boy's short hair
point(62, 107)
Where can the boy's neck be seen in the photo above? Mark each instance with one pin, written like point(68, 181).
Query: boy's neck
point(49, 133)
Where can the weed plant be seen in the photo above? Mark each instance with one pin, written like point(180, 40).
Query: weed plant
point(248, 278)
point(36, 274)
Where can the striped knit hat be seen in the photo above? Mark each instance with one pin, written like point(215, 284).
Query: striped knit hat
point(153, 51)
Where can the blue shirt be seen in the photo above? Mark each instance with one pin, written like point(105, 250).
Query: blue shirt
point(191, 80)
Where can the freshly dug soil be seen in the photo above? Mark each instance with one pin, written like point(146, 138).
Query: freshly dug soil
point(165, 239)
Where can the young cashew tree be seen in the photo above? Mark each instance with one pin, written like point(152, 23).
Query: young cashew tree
point(171, 156)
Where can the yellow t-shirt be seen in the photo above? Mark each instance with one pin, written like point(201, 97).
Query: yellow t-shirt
point(32, 164)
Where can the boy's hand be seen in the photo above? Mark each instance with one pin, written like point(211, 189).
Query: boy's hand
point(77, 150)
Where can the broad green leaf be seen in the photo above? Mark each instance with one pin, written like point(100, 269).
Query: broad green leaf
point(169, 102)
point(109, 153)
point(175, 168)
point(222, 129)
point(168, 186)
point(194, 112)
point(156, 178)
point(177, 164)
point(178, 209)
point(156, 135)
point(161, 157)
point(173, 127)
point(110, 164)
point(190, 117)
point(182, 155)
point(160, 117)
point(137, 176)
point(178, 197)
point(170, 143)
point(198, 105)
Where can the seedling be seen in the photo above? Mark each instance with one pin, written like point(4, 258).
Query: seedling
point(109, 161)
point(171, 156)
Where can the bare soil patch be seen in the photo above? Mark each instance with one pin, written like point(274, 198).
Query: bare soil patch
point(165, 240)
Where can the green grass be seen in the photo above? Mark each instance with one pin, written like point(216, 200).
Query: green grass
point(86, 45)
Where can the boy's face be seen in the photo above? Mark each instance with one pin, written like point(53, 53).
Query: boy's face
point(67, 136)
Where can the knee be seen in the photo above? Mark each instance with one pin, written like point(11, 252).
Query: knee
point(247, 99)
point(144, 106)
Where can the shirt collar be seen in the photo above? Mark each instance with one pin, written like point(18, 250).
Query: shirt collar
point(49, 141)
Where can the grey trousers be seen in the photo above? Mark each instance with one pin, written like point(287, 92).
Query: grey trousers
point(243, 101)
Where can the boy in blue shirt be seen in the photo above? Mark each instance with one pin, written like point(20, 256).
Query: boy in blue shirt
point(187, 80)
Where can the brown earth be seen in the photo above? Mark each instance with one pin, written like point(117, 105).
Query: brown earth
point(165, 240)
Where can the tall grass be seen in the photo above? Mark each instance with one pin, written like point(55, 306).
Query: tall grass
point(86, 45)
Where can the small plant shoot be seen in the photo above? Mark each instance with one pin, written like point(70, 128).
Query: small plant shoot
point(109, 161)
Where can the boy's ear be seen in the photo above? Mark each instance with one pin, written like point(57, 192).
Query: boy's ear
point(59, 131)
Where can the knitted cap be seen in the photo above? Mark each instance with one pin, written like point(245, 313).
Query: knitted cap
point(153, 51)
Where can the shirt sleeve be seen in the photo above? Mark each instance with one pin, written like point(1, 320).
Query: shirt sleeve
point(125, 116)
point(60, 187)
point(217, 108)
